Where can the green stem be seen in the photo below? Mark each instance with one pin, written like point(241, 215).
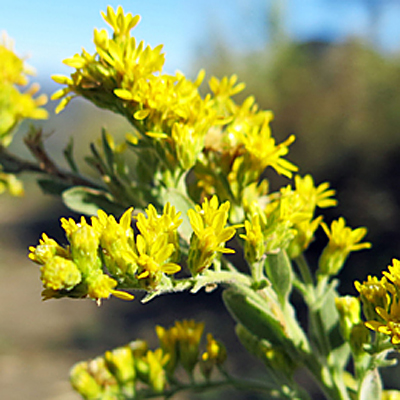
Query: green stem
point(331, 382)
point(239, 384)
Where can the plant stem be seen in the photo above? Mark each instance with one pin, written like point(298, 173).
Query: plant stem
point(330, 381)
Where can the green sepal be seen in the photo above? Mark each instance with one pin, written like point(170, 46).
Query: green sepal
point(88, 201)
point(279, 271)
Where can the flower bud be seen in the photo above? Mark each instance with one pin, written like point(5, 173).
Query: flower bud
point(84, 383)
point(59, 273)
point(349, 313)
point(84, 248)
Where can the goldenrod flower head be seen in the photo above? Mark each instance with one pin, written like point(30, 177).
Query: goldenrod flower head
point(84, 248)
point(349, 313)
point(342, 241)
point(120, 22)
point(156, 361)
point(373, 292)
point(210, 233)
point(254, 246)
point(389, 323)
point(116, 241)
point(152, 259)
point(85, 383)
point(155, 225)
point(214, 355)
point(226, 87)
point(394, 273)
point(11, 184)
point(120, 362)
point(46, 250)
point(262, 151)
point(98, 369)
point(312, 196)
point(15, 105)
point(215, 351)
point(59, 273)
point(181, 342)
point(169, 344)
point(101, 286)
point(188, 335)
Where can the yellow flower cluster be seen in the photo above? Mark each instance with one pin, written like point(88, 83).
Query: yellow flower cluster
point(213, 134)
point(181, 342)
point(77, 271)
point(381, 302)
point(287, 221)
point(126, 370)
point(14, 105)
point(137, 261)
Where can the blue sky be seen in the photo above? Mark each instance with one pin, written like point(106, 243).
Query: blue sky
point(49, 31)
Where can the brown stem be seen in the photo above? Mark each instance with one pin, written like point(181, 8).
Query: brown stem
point(44, 165)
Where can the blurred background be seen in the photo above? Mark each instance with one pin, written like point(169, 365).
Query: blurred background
point(330, 71)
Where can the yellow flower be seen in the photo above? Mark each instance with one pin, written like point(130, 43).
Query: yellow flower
point(394, 273)
point(215, 351)
point(209, 233)
point(155, 225)
point(373, 293)
point(15, 105)
point(226, 87)
point(46, 250)
point(312, 196)
point(181, 343)
point(188, 334)
point(342, 241)
point(152, 258)
point(262, 151)
point(156, 361)
point(390, 321)
point(254, 247)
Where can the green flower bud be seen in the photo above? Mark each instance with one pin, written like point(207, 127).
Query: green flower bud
point(120, 363)
point(349, 313)
point(84, 383)
point(84, 248)
point(60, 273)
point(100, 286)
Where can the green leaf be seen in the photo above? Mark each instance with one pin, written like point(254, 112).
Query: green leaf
point(279, 271)
point(88, 201)
point(371, 386)
point(108, 151)
point(340, 351)
point(181, 203)
point(257, 315)
point(69, 155)
point(53, 186)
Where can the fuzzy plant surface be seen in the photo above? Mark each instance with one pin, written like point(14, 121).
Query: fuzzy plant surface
point(188, 186)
